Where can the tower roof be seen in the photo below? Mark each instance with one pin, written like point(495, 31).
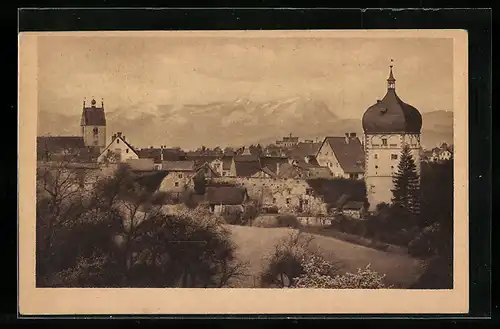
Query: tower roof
point(93, 116)
point(391, 114)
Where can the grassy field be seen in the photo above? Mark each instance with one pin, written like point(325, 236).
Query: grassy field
point(255, 245)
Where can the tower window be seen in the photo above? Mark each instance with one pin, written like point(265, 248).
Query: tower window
point(394, 156)
point(384, 141)
point(96, 130)
point(375, 156)
point(376, 167)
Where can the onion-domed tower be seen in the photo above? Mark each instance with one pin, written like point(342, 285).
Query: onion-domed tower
point(388, 125)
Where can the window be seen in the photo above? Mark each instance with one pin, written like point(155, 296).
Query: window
point(306, 202)
point(309, 191)
point(96, 130)
point(376, 167)
point(176, 184)
point(287, 200)
point(336, 164)
point(394, 156)
point(117, 141)
point(393, 145)
point(384, 141)
point(180, 175)
point(96, 142)
point(126, 151)
point(274, 200)
point(375, 156)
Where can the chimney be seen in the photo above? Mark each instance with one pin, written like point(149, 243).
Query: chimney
point(119, 134)
point(123, 137)
point(306, 159)
point(161, 153)
point(113, 137)
point(352, 135)
point(347, 138)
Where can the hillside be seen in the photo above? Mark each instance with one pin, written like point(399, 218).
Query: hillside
point(254, 244)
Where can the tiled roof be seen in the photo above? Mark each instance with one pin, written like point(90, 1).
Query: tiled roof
point(246, 165)
point(141, 164)
point(272, 163)
point(178, 165)
point(168, 154)
point(350, 155)
point(301, 150)
point(52, 147)
point(226, 195)
point(93, 116)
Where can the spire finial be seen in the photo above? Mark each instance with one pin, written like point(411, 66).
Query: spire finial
point(391, 82)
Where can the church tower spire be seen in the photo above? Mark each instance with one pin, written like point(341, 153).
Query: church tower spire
point(391, 82)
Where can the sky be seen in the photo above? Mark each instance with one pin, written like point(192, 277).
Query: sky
point(347, 74)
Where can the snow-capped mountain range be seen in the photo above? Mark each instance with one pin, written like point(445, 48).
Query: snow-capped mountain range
point(236, 123)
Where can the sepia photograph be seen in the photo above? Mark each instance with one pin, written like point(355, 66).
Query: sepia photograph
point(245, 160)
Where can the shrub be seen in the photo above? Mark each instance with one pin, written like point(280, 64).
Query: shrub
point(285, 263)
point(315, 277)
point(425, 243)
point(288, 221)
point(265, 221)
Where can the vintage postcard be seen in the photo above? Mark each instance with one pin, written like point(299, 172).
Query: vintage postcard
point(243, 172)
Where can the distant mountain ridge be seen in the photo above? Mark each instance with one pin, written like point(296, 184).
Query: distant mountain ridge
point(237, 123)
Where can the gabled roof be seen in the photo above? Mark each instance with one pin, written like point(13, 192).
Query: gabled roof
point(247, 165)
point(93, 116)
point(178, 165)
point(124, 142)
point(290, 171)
point(52, 147)
point(169, 154)
point(226, 195)
point(301, 150)
point(272, 163)
point(350, 155)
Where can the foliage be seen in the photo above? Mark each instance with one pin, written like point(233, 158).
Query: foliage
point(331, 190)
point(288, 220)
point(318, 274)
point(200, 183)
point(120, 237)
point(406, 191)
point(188, 199)
point(285, 263)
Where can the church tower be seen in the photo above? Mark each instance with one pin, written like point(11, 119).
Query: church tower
point(388, 125)
point(93, 125)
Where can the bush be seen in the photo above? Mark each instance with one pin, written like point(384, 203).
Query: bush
point(425, 243)
point(315, 277)
point(288, 221)
point(265, 221)
point(286, 262)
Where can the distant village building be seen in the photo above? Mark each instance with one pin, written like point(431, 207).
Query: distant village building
point(84, 148)
point(388, 125)
point(119, 150)
point(226, 199)
point(288, 141)
point(344, 156)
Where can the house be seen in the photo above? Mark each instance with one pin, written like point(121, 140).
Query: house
point(249, 166)
point(344, 156)
point(353, 209)
point(119, 150)
point(222, 165)
point(222, 199)
point(288, 141)
point(179, 176)
point(65, 148)
point(162, 154)
point(304, 150)
point(273, 163)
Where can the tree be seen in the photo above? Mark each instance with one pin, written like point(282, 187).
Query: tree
point(200, 182)
point(406, 191)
